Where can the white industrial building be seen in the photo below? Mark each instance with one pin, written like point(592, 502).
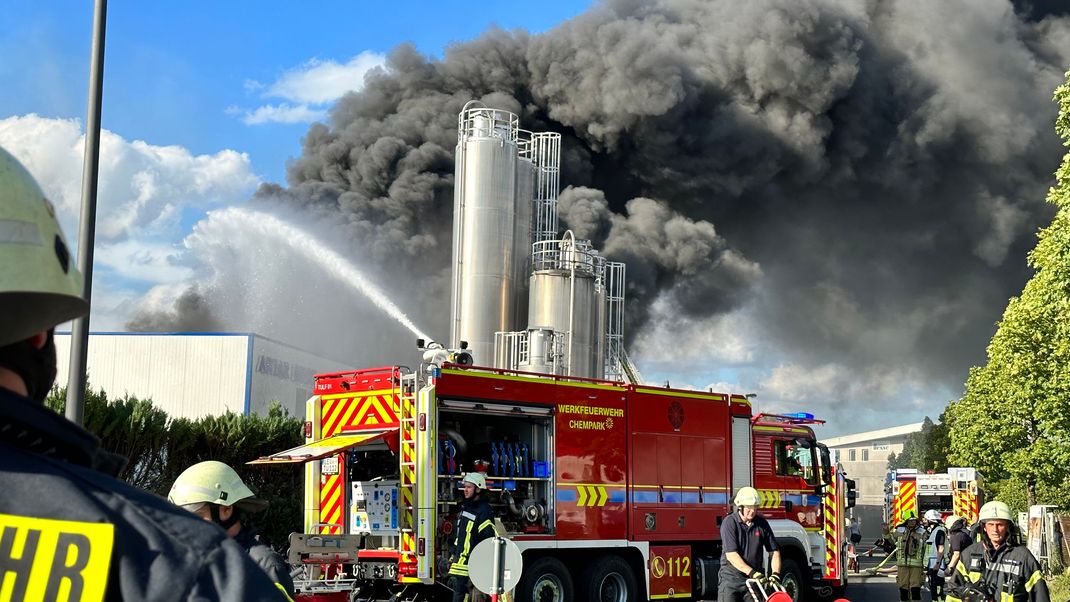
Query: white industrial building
point(198, 374)
point(864, 457)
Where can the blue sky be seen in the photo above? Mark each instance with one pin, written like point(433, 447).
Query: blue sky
point(202, 102)
point(174, 69)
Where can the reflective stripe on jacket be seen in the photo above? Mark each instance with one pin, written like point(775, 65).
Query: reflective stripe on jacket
point(82, 531)
point(911, 546)
point(475, 523)
point(1008, 574)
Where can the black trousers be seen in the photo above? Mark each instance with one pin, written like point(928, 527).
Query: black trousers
point(732, 586)
point(459, 585)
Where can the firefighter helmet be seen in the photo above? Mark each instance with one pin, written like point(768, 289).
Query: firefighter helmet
point(995, 511)
point(475, 478)
point(213, 482)
point(932, 516)
point(748, 496)
point(953, 522)
point(909, 514)
point(39, 285)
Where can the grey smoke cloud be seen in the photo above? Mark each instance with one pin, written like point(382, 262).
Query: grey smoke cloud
point(864, 177)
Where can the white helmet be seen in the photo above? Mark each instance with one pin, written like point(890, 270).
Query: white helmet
point(212, 482)
point(933, 516)
point(748, 496)
point(475, 478)
point(39, 285)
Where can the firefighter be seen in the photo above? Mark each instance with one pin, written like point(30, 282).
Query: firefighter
point(998, 567)
point(935, 546)
point(214, 491)
point(475, 523)
point(80, 529)
point(910, 556)
point(746, 537)
point(958, 539)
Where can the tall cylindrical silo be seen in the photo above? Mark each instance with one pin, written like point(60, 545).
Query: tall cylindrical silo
point(564, 298)
point(485, 215)
point(525, 180)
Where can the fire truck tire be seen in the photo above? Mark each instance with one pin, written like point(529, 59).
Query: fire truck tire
point(792, 579)
point(546, 580)
point(609, 579)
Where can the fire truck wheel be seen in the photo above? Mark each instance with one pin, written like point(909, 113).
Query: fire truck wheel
point(546, 580)
point(791, 578)
point(609, 579)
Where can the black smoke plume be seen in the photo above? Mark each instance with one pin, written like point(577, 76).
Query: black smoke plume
point(863, 178)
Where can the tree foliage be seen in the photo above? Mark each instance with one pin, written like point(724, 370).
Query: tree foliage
point(158, 448)
point(1013, 421)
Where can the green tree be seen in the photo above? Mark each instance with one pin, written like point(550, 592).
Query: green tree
point(926, 450)
point(1013, 421)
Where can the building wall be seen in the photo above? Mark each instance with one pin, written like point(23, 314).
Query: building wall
point(191, 375)
point(285, 374)
point(864, 457)
point(185, 375)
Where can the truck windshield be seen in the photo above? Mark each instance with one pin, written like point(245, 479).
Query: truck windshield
point(795, 460)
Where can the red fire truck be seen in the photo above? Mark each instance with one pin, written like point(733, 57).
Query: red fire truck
point(612, 491)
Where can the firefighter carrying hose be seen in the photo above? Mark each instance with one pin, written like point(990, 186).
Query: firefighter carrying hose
point(910, 556)
point(474, 524)
point(998, 567)
point(83, 534)
point(214, 491)
point(746, 536)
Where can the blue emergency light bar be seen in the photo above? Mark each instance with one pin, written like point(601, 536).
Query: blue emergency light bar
point(801, 415)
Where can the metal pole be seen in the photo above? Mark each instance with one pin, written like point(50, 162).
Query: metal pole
point(88, 222)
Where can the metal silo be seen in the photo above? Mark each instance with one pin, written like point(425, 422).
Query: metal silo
point(485, 222)
point(565, 298)
point(522, 230)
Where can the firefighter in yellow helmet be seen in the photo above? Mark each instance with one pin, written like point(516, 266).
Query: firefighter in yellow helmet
point(910, 538)
point(998, 567)
point(474, 524)
point(83, 530)
point(746, 537)
point(214, 491)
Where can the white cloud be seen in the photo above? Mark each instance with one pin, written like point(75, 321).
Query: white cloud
point(319, 82)
point(671, 338)
point(143, 192)
point(283, 113)
point(308, 89)
point(142, 189)
point(144, 261)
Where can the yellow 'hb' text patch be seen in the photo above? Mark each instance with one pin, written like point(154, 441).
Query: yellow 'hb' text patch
point(44, 559)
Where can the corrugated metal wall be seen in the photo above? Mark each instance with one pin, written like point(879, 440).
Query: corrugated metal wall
point(283, 373)
point(186, 375)
point(193, 375)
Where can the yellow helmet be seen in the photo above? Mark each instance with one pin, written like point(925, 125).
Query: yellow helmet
point(909, 514)
point(747, 496)
point(213, 482)
point(39, 285)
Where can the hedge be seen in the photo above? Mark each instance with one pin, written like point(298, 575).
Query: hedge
point(159, 448)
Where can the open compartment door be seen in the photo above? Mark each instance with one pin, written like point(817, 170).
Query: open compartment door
point(318, 450)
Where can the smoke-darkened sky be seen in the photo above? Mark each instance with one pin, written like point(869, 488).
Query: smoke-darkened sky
point(827, 202)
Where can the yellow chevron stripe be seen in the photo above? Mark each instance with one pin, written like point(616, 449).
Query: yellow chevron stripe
point(348, 415)
point(602, 496)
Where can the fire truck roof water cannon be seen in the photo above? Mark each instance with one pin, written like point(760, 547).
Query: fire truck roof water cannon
point(611, 490)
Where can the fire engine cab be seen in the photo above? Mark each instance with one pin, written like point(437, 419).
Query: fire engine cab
point(611, 490)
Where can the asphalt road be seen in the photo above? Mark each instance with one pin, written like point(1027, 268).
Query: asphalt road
point(876, 588)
